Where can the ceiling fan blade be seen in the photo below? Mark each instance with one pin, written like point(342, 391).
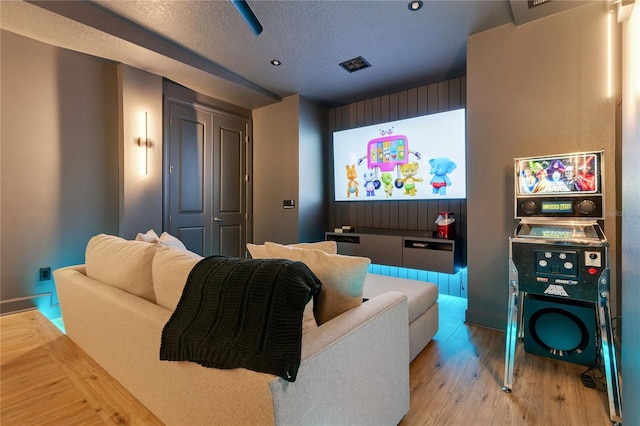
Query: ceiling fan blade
point(247, 14)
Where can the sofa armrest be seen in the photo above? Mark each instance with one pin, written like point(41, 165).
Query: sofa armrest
point(354, 369)
point(122, 333)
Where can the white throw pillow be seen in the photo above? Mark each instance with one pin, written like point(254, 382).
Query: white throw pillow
point(149, 237)
point(257, 251)
point(171, 268)
point(260, 251)
point(169, 240)
point(342, 277)
point(120, 263)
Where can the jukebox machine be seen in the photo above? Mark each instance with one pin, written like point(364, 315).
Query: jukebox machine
point(559, 289)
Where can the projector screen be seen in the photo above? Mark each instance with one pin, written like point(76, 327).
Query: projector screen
point(421, 158)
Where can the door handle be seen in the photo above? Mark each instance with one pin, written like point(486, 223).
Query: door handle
point(216, 219)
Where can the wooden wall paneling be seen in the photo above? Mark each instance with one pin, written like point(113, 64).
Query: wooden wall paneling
point(393, 215)
point(403, 215)
point(375, 110)
point(454, 94)
point(368, 112)
point(393, 107)
point(368, 215)
point(403, 106)
point(412, 103)
point(443, 96)
point(423, 216)
point(353, 115)
point(423, 100)
point(384, 108)
point(412, 215)
point(360, 117)
point(432, 98)
point(385, 212)
point(377, 219)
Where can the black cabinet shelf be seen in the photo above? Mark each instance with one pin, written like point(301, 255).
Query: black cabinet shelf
point(396, 249)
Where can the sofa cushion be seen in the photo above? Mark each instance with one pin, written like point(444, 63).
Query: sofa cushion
point(120, 263)
point(169, 240)
point(260, 251)
point(171, 268)
point(342, 278)
point(421, 295)
point(149, 237)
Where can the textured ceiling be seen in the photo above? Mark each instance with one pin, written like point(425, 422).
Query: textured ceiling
point(205, 45)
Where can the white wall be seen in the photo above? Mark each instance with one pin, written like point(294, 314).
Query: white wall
point(275, 171)
point(631, 218)
point(288, 165)
point(538, 88)
point(70, 164)
point(59, 162)
point(140, 186)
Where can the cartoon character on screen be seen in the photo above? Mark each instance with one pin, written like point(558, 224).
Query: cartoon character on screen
point(369, 177)
point(440, 168)
point(542, 181)
point(352, 185)
point(528, 177)
point(409, 179)
point(586, 178)
point(387, 180)
point(555, 174)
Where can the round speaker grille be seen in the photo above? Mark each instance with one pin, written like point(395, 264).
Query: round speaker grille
point(559, 331)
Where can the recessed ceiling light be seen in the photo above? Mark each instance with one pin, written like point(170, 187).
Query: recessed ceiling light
point(415, 5)
point(355, 64)
point(276, 62)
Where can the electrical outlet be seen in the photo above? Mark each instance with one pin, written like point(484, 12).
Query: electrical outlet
point(45, 274)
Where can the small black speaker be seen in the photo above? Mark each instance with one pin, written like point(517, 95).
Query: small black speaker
point(563, 329)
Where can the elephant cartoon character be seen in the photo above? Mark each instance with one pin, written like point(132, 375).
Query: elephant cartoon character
point(440, 168)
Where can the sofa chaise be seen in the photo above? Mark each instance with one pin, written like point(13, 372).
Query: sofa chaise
point(354, 365)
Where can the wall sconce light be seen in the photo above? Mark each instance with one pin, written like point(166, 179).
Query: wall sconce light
point(146, 143)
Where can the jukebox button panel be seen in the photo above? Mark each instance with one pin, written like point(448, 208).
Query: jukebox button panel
point(557, 270)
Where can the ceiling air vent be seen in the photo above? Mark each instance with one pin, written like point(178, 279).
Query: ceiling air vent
point(534, 3)
point(355, 64)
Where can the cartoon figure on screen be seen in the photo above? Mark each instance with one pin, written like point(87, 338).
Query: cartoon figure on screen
point(542, 183)
point(527, 177)
point(586, 178)
point(409, 179)
point(387, 179)
point(352, 185)
point(440, 168)
point(369, 185)
point(556, 174)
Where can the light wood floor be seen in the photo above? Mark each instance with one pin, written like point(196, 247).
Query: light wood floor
point(47, 380)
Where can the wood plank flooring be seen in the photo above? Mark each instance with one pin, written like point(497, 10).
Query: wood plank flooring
point(47, 380)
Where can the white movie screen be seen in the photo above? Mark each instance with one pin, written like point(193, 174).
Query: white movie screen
point(421, 158)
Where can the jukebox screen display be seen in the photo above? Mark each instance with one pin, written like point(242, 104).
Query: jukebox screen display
point(567, 174)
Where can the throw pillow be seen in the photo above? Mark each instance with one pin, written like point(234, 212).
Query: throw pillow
point(169, 240)
point(120, 263)
point(257, 251)
point(170, 270)
point(260, 251)
point(342, 278)
point(149, 237)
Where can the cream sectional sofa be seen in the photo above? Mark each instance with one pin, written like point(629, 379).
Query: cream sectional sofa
point(354, 367)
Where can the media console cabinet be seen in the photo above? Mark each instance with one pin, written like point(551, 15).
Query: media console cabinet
point(406, 249)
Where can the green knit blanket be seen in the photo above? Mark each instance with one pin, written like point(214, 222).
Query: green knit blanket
point(241, 313)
